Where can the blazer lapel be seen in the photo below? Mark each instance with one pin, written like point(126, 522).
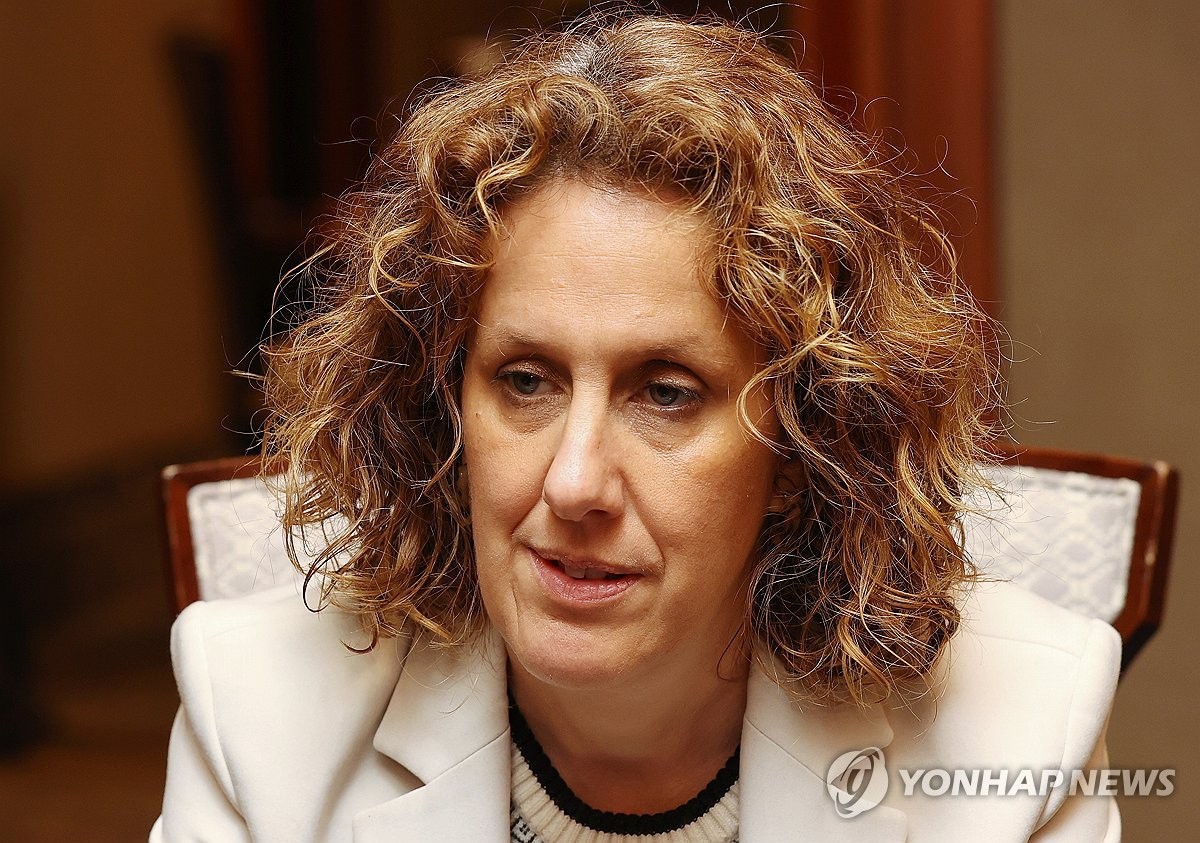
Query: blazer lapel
point(447, 724)
point(786, 752)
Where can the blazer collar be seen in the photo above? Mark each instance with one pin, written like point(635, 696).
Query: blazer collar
point(787, 750)
point(447, 723)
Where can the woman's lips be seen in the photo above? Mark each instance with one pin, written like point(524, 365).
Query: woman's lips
point(594, 586)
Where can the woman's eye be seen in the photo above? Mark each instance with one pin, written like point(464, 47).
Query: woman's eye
point(666, 395)
point(526, 383)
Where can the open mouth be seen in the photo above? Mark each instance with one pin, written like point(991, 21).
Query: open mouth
point(585, 573)
point(583, 582)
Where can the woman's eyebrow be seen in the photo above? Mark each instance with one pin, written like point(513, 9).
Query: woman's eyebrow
point(684, 345)
point(506, 335)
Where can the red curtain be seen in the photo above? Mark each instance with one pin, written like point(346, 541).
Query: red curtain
point(921, 73)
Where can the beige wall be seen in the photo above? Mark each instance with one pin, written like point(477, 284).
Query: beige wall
point(1099, 189)
point(107, 350)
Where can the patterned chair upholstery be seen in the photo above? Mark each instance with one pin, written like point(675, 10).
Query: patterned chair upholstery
point(1064, 535)
point(1089, 533)
point(237, 541)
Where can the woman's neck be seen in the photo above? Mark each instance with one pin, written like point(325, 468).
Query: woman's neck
point(639, 749)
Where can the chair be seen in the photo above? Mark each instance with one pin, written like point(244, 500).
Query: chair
point(223, 533)
point(1089, 532)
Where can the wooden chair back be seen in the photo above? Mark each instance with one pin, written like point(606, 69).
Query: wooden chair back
point(218, 510)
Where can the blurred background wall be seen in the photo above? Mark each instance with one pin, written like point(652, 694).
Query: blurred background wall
point(138, 248)
point(1098, 192)
point(109, 351)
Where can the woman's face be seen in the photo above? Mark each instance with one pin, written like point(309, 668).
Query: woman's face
point(615, 498)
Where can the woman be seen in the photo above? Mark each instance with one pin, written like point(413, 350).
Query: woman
point(646, 396)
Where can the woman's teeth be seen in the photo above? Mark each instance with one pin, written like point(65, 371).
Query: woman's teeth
point(587, 573)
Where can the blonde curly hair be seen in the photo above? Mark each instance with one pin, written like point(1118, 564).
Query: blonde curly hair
point(883, 369)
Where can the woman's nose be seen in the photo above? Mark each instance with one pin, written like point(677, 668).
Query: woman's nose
point(583, 478)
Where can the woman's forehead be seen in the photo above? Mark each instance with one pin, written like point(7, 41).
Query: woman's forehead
point(602, 205)
point(597, 270)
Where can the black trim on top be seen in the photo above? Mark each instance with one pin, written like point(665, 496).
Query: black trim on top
point(607, 821)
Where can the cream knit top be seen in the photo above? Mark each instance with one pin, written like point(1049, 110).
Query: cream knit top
point(544, 810)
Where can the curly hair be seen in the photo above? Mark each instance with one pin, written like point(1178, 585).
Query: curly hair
point(883, 369)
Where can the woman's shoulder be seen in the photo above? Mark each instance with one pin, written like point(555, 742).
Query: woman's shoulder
point(269, 650)
point(277, 614)
point(276, 706)
point(1003, 621)
point(1024, 685)
point(1023, 677)
point(276, 617)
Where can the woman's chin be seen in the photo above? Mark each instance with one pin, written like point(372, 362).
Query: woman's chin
point(571, 662)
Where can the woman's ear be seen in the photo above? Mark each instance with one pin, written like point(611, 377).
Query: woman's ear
point(789, 480)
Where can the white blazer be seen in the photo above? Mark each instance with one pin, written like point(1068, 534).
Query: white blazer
point(284, 735)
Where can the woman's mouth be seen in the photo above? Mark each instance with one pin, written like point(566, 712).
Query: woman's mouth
point(580, 582)
point(585, 573)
